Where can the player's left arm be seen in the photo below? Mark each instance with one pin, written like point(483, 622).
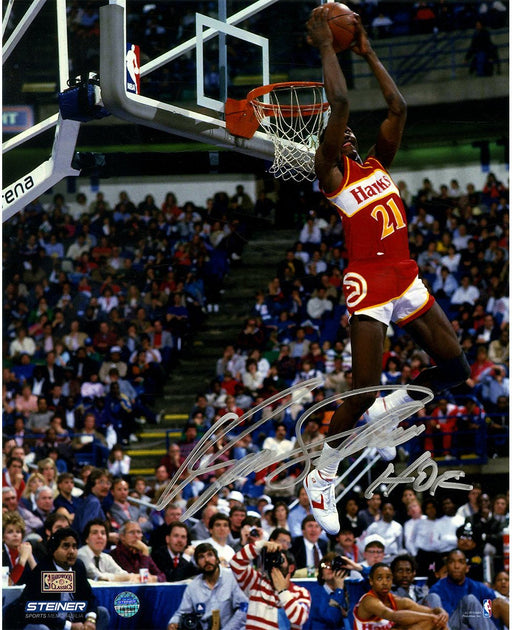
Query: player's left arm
point(328, 153)
point(440, 616)
point(391, 130)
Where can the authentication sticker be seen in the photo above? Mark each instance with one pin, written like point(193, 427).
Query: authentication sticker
point(58, 582)
point(126, 604)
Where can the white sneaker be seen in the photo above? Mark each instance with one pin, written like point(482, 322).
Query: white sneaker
point(323, 501)
point(376, 412)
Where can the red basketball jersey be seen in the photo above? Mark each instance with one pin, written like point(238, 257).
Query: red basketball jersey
point(374, 623)
point(372, 213)
point(376, 237)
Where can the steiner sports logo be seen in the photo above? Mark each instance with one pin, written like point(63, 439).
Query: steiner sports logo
point(487, 606)
point(55, 607)
point(58, 582)
point(356, 288)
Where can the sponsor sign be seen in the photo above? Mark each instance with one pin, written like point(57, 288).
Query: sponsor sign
point(16, 118)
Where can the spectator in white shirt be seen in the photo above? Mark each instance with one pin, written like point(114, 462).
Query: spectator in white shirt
point(219, 534)
point(262, 362)
point(299, 347)
point(310, 233)
point(79, 247)
point(451, 259)
point(461, 237)
point(320, 264)
point(471, 507)
point(390, 530)
point(278, 444)
point(445, 535)
point(318, 305)
point(425, 536)
point(466, 293)
point(99, 565)
point(411, 526)
point(252, 379)
point(445, 284)
point(22, 344)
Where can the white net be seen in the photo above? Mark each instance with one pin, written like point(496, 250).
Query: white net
point(292, 115)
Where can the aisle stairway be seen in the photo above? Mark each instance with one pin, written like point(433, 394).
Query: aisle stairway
point(197, 366)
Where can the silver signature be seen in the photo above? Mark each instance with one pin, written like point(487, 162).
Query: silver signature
point(356, 439)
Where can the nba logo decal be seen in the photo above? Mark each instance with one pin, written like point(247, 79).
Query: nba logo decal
point(487, 608)
point(132, 62)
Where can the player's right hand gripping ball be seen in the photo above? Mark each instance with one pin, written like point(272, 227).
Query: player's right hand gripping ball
point(341, 23)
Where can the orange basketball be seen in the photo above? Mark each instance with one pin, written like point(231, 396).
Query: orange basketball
point(341, 24)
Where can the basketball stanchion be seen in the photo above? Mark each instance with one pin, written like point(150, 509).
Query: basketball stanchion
point(353, 482)
point(292, 116)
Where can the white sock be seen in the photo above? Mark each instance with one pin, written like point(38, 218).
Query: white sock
point(392, 401)
point(398, 398)
point(329, 461)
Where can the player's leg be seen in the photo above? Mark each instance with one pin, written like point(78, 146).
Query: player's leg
point(367, 338)
point(434, 333)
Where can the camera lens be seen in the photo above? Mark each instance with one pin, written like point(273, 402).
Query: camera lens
point(338, 564)
point(272, 559)
point(190, 621)
point(254, 532)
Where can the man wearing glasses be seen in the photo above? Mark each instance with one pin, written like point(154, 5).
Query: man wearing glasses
point(374, 550)
point(132, 554)
point(94, 501)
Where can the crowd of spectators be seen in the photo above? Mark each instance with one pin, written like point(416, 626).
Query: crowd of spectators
point(100, 303)
point(101, 300)
point(417, 538)
point(297, 328)
point(96, 315)
point(158, 27)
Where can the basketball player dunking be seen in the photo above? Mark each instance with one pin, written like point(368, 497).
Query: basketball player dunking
point(381, 283)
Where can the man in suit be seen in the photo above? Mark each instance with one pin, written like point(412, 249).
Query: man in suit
point(175, 558)
point(308, 549)
point(171, 513)
point(121, 510)
point(63, 549)
point(44, 502)
point(52, 372)
point(100, 565)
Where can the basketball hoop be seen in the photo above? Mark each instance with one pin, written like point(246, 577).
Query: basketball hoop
point(292, 116)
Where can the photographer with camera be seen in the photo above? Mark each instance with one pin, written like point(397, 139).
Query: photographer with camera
point(328, 599)
point(274, 601)
point(248, 533)
point(213, 600)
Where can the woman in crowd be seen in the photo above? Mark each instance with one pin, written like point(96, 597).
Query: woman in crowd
point(35, 481)
point(16, 554)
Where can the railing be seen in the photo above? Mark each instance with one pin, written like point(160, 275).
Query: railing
point(409, 60)
point(458, 446)
point(81, 458)
point(465, 447)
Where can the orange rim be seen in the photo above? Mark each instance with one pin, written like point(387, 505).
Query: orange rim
point(288, 111)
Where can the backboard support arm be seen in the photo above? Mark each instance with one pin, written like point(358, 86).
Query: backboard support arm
point(152, 113)
point(17, 195)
